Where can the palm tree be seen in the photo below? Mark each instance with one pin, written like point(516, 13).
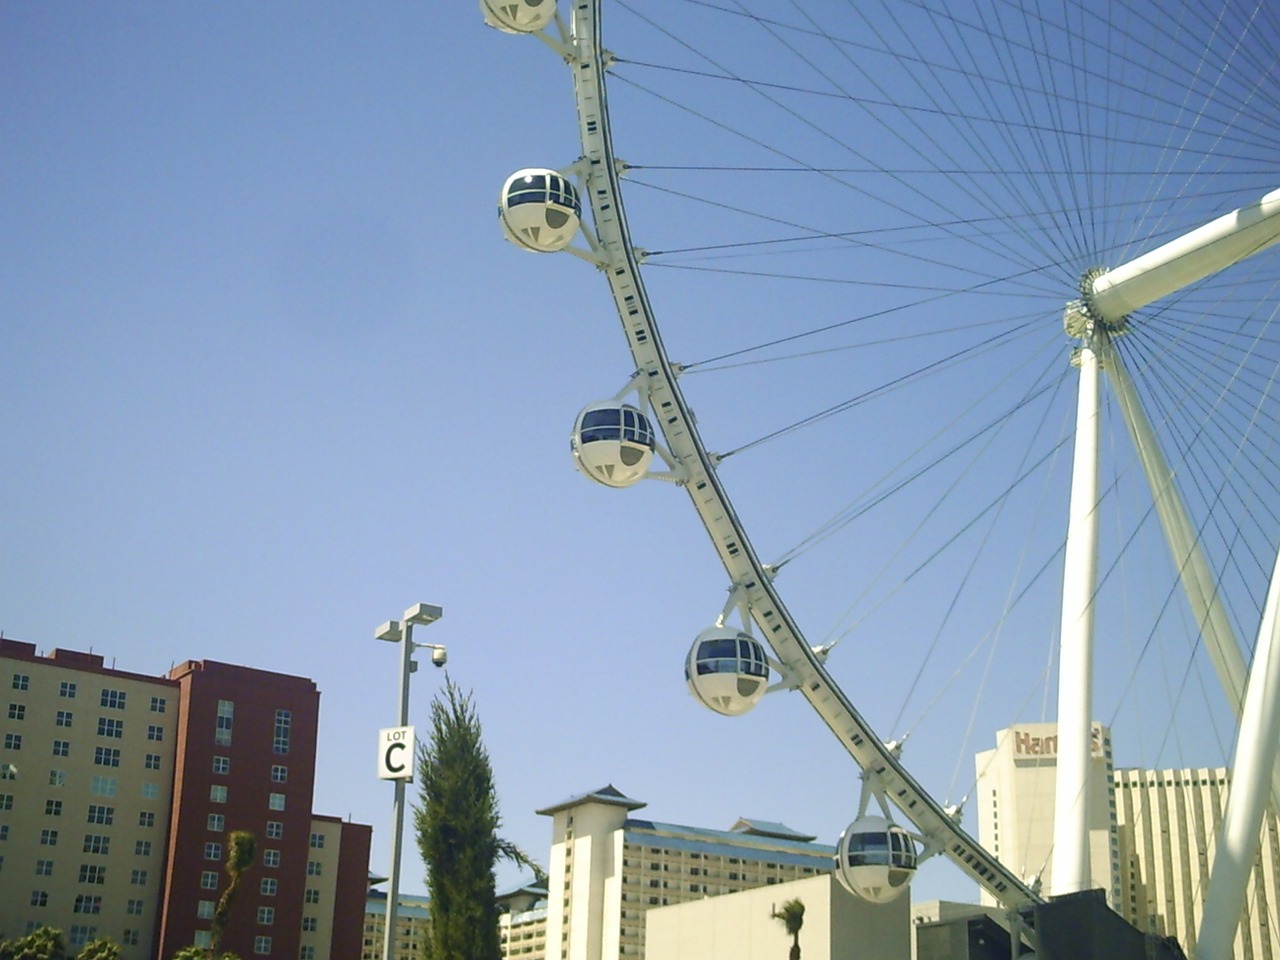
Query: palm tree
point(792, 917)
point(242, 847)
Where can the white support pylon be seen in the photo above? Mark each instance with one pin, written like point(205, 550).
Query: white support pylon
point(1071, 869)
point(1109, 298)
point(1181, 262)
point(1257, 745)
point(1198, 583)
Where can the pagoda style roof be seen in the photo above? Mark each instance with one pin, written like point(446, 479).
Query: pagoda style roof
point(610, 795)
point(769, 828)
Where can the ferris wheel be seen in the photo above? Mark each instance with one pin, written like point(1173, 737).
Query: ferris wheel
point(1007, 211)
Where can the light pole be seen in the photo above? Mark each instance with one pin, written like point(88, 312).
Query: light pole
point(401, 632)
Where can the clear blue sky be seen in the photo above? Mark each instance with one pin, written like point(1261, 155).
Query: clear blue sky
point(271, 375)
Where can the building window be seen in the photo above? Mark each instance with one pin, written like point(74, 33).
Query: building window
point(266, 916)
point(309, 925)
point(146, 819)
point(268, 886)
point(48, 838)
point(101, 814)
point(142, 848)
point(203, 939)
point(313, 868)
point(130, 938)
point(39, 898)
point(17, 711)
point(155, 732)
point(44, 868)
point(262, 946)
point(222, 766)
point(57, 778)
point(208, 880)
point(138, 878)
point(88, 903)
point(275, 829)
point(63, 718)
point(276, 801)
point(106, 756)
point(13, 741)
point(280, 739)
point(21, 681)
point(152, 762)
point(213, 851)
point(93, 873)
point(112, 699)
point(317, 841)
point(6, 802)
point(150, 791)
point(52, 808)
point(67, 689)
point(8, 771)
point(157, 704)
point(134, 908)
point(62, 748)
point(81, 934)
point(97, 843)
point(312, 895)
point(109, 727)
point(218, 793)
point(279, 774)
point(271, 858)
point(222, 730)
point(307, 953)
point(216, 822)
point(101, 786)
point(204, 909)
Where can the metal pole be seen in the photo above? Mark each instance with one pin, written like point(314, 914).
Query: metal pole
point(393, 895)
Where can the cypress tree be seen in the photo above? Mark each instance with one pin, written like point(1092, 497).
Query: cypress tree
point(456, 823)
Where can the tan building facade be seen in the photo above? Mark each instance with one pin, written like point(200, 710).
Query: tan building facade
point(1015, 805)
point(412, 926)
point(86, 777)
point(740, 926)
point(1169, 823)
point(522, 926)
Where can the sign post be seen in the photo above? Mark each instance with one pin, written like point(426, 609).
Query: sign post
point(396, 746)
point(396, 749)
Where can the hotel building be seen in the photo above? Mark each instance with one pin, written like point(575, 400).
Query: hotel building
point(608, 868)
point(119, 792)
point(413, 926)
point(1153, 836)
point(1169, 824)
point(522, 924)
point(1015, 804)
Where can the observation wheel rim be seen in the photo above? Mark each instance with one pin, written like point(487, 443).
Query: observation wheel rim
point(940, 832)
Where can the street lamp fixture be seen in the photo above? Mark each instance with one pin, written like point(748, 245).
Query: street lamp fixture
point(401, 632)
point(423, 613)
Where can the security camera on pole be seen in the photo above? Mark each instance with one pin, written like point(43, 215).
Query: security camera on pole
point(397, 745)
